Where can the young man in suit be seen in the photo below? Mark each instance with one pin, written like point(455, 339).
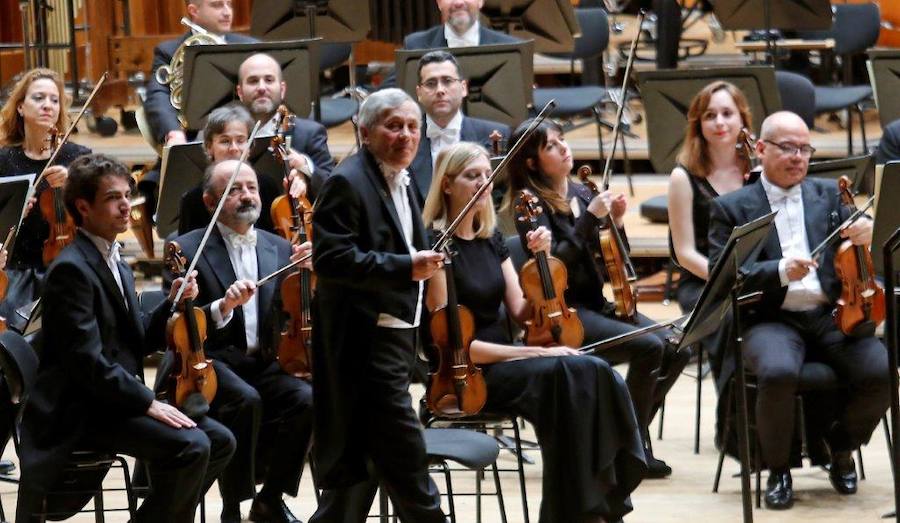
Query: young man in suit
point(269, 411)
point(793, 322)
point(371, 261)
point(89, 392)
point(441, 91)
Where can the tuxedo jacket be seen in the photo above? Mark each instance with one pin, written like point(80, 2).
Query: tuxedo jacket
point(215, 274)
point(161, 116)
point(363, 268)
point(434, 38)
point(91, 358)
point(889, 147)
point(472, 130)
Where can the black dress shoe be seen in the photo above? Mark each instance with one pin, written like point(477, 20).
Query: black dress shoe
point(843, 473)
point(7, 467)
point(231, 517)
point(271, 511)
point(779, 491)
point(657, 468)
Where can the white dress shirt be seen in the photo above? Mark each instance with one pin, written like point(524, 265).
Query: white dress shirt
point(805, 294)
point(398, 181)
point(242, 254)
point(470, 38)
point(442, 137)
point(110, 254)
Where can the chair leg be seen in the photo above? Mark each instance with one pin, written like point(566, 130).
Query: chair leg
point(758, 463)
point(662, 418)
point(98, 506)
point(862, 468)
point(521, 471)
point(383, 517)
point(499, 490)
point(849, 132)
point(479, 474)
point(730, 401)
point(450, 503)
point(862, 128)
point(699, 390)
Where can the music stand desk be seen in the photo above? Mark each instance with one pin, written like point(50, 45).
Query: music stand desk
point(793, 44)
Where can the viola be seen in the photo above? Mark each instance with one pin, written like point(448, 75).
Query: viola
point(861, 308)
point(615, 258)
point(192, 372)
point(53, 209)
point(293, 221)
point(457, 388)
point(544, 280)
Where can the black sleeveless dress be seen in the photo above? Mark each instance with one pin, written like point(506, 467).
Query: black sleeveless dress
point(590, 442)
point(690, 285)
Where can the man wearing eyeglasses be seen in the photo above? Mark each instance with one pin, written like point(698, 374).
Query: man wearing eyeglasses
point(793, 323)
point(441, 91)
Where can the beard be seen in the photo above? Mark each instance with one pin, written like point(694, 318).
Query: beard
point(264, 106)
point(461, 21)
point(247, 213)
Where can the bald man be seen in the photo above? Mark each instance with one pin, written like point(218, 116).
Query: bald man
point(793, 323)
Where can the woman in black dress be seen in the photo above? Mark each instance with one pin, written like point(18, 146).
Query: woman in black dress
point(580, 408)
point(574, 216)
point(37, 104)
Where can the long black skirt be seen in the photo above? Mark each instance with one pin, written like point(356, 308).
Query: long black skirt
point(585, 423)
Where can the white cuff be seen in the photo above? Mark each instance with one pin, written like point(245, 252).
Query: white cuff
point(216, 314)
point(782, 272)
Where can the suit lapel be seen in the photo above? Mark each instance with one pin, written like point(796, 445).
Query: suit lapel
point(468, 132)
point(216, 255)
point(423, 165)
point(439, 40)
point(381, 187)
point(98, 265)
point(131, 295)
point(815, 213)
point(266, 263)
point(756, 206)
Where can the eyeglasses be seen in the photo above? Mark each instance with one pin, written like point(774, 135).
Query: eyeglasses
point(432, 83)
point(791, 149)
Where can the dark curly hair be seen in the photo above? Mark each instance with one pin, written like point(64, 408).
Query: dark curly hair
point(85, 174)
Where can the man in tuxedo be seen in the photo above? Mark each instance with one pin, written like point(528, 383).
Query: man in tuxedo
point(89, 392)
point(440, 92)
point(793, 321)
point(889, 146)
point(371, 262)
point(460, 28)
point(269, 411)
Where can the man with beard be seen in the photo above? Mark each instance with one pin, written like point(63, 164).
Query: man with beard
point(371, 263)
point(269, 411)
point(460, 28)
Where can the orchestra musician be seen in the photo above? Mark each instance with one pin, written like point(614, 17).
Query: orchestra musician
point(573, 216)
point(89, 392)
point(793, 322)
point(440, 92)
point(269, 411)
point(36, 106)
point(371, 260)
point(460, 27)
point(889, 147)
point(589, 471)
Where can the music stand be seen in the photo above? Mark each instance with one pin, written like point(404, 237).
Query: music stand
point(552, 24)
point(187, 162)
point(884, 74)
point(887, 213)
point(720, 296)
point(857, 168)
point(667, 96)
point(335, 20)
point(499, 77)
point(216, 69)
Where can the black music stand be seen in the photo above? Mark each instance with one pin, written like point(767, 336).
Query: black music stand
point(806, 15)
point(552, 24)
point(182, 170)
point(857, 168)
point(214, 68)
point(884, 73)
point(13, 198)
point(720, 297)
point(334, 20)
point(887, 213)
point(667, 96)
point(499, 77)
point(890, 247)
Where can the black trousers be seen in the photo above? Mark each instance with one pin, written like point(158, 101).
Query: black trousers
point(182, 463)
point(775, 351)
point(393, 441)
point(270, 413)
point(643, 354)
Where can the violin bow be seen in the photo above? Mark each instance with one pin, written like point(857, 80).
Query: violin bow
point(847, 223)
point(215, 216)
point(615, 341)
point(442, 241)
point(270, 277)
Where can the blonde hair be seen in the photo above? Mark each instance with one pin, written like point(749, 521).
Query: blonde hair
point(451, 162)
point(12, 125)
point(694, 155)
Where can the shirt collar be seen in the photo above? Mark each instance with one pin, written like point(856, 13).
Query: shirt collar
point(109, 250)
point(776, 194)
point(393, 176)
point(455, 124)
point(234, 238)
point(469, 38)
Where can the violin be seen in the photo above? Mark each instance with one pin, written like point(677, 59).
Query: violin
point(192, 372)
point(293, 221)
point(615, 258)
point(53, 209)
point(544, 280)
point(861, 308)
point(457, 388)
point(4, 278)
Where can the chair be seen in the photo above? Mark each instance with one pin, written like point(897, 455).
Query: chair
point(336, 109)
point(798, 95)
point(855, 29)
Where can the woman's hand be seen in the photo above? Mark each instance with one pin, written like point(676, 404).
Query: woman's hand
point(539, 240)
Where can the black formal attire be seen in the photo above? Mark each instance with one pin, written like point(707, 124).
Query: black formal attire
point(889, 147)
point(308, 137)
point(590, 440)
point(689, 284)
point(89, 392)
point(269, 411)
point(472, 130)
point(363, 265)
point(576, 244)
point(434, 38)
point(778, 341)
point(26, 266)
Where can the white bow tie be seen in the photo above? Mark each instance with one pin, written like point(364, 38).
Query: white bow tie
point(237, 240)
point(779, 195)
point(446, 134)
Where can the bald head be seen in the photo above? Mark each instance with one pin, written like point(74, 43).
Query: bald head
point(260, 86)
point(784, 149)
point(776, 123)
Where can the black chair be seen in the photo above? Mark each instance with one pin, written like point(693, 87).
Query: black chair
point(798, 95)
point(336, 109)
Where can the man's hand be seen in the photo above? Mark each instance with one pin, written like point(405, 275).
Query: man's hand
point(176, 137)
point(169, 415)
point(300, 162)
point(190, 292)
point(618, 208)
point(859, 232)
point(797, 268)
point(299, 251)
point(56, 176)
point(539, 240)
point(425, 264)
point(237, 294)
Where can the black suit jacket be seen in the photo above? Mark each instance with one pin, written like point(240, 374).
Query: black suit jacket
point(161, 116)
point(363, 267)
point(472, 130)
point(91, 362)
point(310, 138)
point(215, 274)
point(434, 38)
point(889, 147)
